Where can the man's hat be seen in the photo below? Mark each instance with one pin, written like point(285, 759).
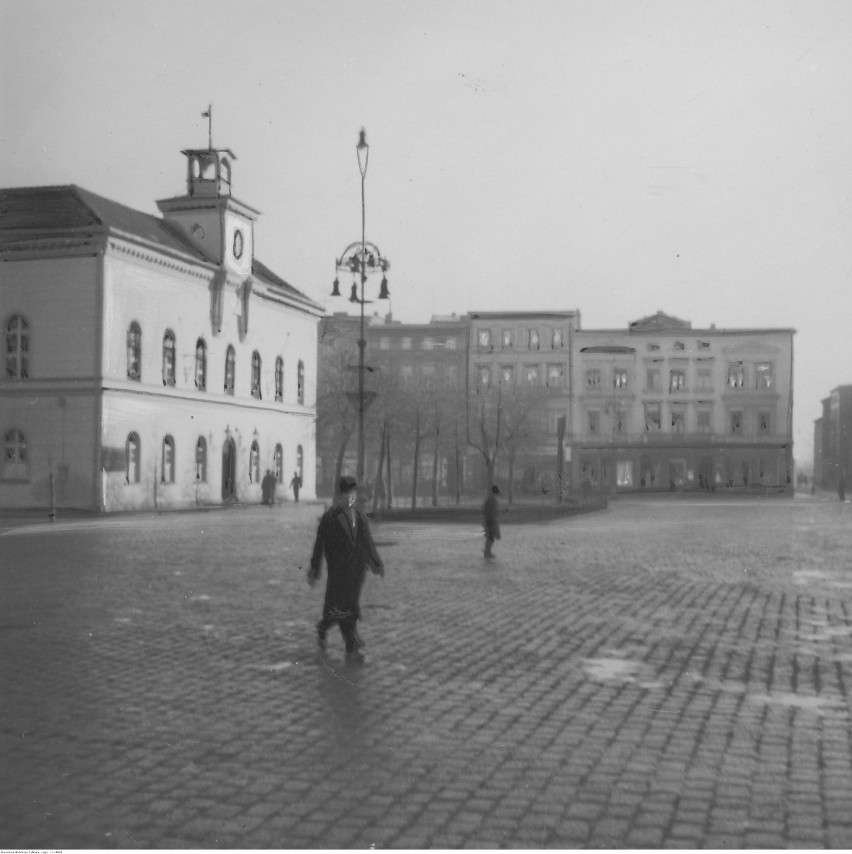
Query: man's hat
point(346, 484)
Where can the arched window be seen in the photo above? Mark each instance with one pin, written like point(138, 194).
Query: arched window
point(201, 459)
point(200, 365)
point(230, 359)
point(255, 374)
point(279, 379)
point(300, 461)
point(254, 463)
point(17, 349)
point(279, 464)
point(131, 455)
point(301, 382)
point(14, 455)
point(169, 358)
point(134, 352)
point(167, 474)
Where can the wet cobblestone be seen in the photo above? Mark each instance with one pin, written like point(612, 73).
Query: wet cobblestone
point(662, 674)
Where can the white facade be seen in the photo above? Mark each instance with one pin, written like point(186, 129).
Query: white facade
point(117, 328)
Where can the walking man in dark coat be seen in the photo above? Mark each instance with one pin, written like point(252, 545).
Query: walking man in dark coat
point(344, 538)
point(490, 509)
point(295, 483)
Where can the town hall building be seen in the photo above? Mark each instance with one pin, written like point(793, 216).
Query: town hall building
point(149, 362)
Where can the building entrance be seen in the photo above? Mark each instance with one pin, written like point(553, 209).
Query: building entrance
point(229, 470)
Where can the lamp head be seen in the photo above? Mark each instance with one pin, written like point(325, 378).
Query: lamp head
point(335, 291)
point(354, 296)
point(384, 293)
point(363, 150)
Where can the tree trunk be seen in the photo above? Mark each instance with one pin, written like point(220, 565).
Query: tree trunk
point(389, 497)
point(416, 461)
point(458, 466)
point(511, 477)
point(338, 466)
point(435, 461)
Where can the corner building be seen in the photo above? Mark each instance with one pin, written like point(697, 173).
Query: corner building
point(149, 362)
point(662, 406)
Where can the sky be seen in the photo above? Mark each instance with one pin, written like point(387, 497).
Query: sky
point(618, 157)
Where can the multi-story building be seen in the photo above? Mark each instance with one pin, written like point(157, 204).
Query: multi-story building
point(662, 406)
point(522, 361)
point(149, 361)
point(833, 440)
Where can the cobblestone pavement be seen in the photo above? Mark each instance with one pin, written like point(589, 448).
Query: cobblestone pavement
point(661, 674)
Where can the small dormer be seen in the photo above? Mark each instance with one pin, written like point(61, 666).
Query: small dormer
point(208, 172)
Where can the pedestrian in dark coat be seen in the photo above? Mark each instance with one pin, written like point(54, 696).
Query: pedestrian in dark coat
point(344, 538)
point(490, 509)
point(295, 483)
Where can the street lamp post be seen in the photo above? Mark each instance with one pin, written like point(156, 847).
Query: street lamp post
point(361, 259)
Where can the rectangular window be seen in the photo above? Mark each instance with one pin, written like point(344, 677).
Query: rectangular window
point(735, 375)
point(508, 374)
point(405, 375)
point(703, 345)
point(677, 381)
point(653, 417)
point(764, 422)
point(678, 421)
point(405, 343)
point(534, 339)
point(427, 344)
point(654, 379)
point(593, 378)
point(507, 339)
point(620, 420)
point(384, 343)
point(763, 376)
point(554, 376)
point(533, 375)
point(484, 376)
point(704, 379)
point(594, 421)
point(619, 378)
point(557, 338)
point(484, 339)
point(703, 421)
point(427, 373)
point(624, 473)
point(736, 421)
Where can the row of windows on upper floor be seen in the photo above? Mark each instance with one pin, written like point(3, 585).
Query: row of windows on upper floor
point(134, 366)
point(761, 374)
point(528, 375)
point(738, 421)
point(18, 348)
point(531, 339)
point(16, 459)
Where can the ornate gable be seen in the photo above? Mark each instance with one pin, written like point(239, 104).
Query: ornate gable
point(659, 322)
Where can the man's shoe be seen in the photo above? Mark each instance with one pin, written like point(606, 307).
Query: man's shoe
point(355, 656)
point(320, 637)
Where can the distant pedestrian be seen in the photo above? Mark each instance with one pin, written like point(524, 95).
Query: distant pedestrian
point(344, 538)
point(295, 484)
point(267, 488)
point(380, 493)
point(841, 487)
point(490, 509)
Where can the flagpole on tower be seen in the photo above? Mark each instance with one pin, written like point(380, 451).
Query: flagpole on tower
point(209, 116)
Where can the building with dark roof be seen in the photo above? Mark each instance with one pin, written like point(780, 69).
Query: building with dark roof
point(833, 441)
point(149, 361)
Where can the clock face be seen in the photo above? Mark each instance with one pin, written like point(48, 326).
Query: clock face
point(238, 244)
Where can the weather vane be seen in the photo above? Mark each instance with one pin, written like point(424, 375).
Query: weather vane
point(209, 116)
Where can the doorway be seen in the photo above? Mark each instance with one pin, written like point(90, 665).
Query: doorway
point(229, 470)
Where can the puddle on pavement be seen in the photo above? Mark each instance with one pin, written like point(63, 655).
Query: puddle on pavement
point(810, 703)
point(272, 668)
point(122, 620)
point(200, 597)
point(613, 666)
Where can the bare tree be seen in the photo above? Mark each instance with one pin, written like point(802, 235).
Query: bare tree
point(523, 409)
point(484, 427)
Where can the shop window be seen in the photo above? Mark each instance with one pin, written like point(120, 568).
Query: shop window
point(134, 352)
point(17, 349)
point(15, 455)
point(624, 473)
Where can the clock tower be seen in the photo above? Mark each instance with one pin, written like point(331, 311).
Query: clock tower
point(210, 217)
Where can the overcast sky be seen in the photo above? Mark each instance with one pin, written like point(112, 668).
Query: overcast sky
point(612, 157)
